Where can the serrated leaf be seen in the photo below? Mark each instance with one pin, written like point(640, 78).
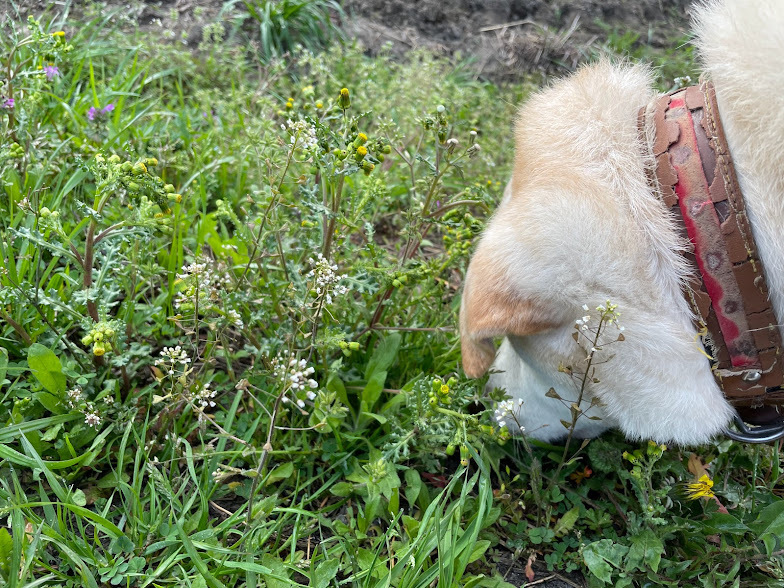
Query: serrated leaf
point(602, 556)
point(567, 521)
point(645, 551)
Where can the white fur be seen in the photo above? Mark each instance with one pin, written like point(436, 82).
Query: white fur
point(580, 225)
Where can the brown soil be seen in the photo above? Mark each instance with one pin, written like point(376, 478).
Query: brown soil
point(508, 37)
point(503, 39)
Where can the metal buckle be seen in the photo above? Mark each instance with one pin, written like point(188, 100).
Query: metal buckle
point(760, 434)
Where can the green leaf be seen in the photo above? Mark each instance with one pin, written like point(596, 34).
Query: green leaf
point(413, 486)
point(278, 574)
point(769, 525)
point(280, 473)
point(646, 551)
point(48, 370)
point(325, 572)
point(567, 521)
point(6, 546)
point(372, 390)
point(3, 364)
point(78, 498)
point(479, 549)
point(394, 501)
point(602, 556)
point(342, 489)
point(720, 522)
point(384, 355)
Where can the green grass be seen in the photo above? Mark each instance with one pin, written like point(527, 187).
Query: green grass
point(192, 213)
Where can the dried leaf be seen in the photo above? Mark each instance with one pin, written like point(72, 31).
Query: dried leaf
point(696, 466)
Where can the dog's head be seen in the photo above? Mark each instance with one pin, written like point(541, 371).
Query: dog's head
point(579, 226)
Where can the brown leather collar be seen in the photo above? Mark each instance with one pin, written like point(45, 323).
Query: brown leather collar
point(696, 179)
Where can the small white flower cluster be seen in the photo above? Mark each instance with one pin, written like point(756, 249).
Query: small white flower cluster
point(508, 410)
point(204, 397)
point(297, 373)
point(73, 396)
point(326, 278)
point(302, 133)
point(75, 400)
point(171, 356)
point(584, 321)
point(202, 281)
point(92, 419)
point(235, 318)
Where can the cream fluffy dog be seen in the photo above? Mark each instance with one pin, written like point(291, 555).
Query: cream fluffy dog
point(579, 225)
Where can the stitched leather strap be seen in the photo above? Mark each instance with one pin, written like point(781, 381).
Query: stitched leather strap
point(696, 180)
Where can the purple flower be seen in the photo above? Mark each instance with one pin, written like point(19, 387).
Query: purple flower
point(51, 71)
point(8, 103)
point(95, 112)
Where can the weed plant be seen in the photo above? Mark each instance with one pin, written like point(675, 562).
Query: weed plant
point(228, 291)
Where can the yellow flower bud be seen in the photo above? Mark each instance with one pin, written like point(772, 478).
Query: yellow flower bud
point(114, 158)
point(168, 188)
point(139, 168)
point(344, 100)
point(151, 161)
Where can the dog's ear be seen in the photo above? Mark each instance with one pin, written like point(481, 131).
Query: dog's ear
point(494, 306)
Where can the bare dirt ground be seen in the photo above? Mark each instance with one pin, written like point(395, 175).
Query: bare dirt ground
point(508, 37)
point(502, 39)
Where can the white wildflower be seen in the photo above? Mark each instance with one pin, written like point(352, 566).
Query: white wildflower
point(302, 133)
point(92, 419)
point(235, 318)
point(173, 355)
point(326, 279)
point(204, 397)
point(508, 411)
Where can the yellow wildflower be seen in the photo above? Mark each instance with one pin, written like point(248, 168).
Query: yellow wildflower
point(700, 488)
